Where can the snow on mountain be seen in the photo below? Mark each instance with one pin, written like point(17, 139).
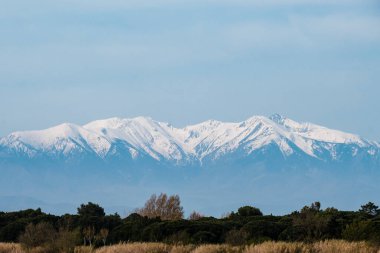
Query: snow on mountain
point(64, 138)
point(143, 134)
point(210, 140)
point(319, 133)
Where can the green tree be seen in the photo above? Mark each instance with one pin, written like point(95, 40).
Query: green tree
point(91, 210)
point(91, 219)
point(370, 209)
point(316, 206)
point(311, 223)
point(246, 211)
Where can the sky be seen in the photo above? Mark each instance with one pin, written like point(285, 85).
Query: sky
point(186, 61)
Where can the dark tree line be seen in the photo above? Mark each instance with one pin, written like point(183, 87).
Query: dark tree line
point(91, 226)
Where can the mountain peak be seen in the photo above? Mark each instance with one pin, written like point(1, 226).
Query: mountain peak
point(278, 118)
point(212, 122)
point(143, 118)
point(210, 139)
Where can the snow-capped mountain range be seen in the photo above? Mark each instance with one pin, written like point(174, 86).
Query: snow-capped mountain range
point(143, 138)
point(215, 166)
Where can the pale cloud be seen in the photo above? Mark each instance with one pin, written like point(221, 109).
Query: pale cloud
point(304, 32)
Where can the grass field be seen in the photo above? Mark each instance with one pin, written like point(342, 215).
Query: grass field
point(333, 246)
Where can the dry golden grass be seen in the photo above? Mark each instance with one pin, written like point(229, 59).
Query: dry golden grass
point(83, 249)
point(182, 248)
point(164, 248)
point(343, 246)
point(332, 246)
point(278, 247)
point(10, 248)
point(136, 248)
point(216, 249)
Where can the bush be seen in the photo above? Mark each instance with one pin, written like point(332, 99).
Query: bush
point(204, 237)
point(357, 231)
point(40, 235)
point(236, 237)
point(67, 240)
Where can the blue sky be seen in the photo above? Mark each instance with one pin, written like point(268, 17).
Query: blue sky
point(188, 61)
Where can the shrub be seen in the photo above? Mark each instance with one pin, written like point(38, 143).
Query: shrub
point(236, 237)
point(41, 235)
point(204, 237)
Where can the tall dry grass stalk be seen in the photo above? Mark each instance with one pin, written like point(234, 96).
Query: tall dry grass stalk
point(278, 247)
point(343, 246)
point(182, 249)
point(332, 246)
point(10, 248)
point(83, 249)
point(136, 248)
point(164, 248)
point(216, 249)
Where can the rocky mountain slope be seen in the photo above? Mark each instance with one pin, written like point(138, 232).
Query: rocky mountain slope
point(209, 142)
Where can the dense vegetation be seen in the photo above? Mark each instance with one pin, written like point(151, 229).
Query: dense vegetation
point(163, 222)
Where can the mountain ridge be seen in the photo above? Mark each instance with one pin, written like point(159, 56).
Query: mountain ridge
point(202, 143)
point(214, 165)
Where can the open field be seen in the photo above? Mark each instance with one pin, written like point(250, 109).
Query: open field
point(331, 246)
